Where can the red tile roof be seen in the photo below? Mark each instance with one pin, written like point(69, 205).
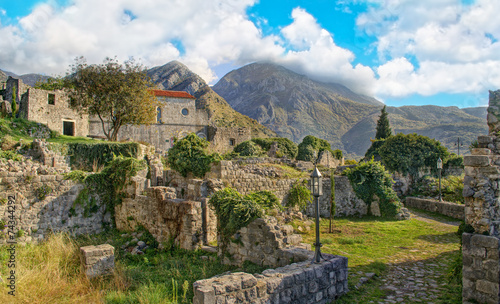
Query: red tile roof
point(174, 94)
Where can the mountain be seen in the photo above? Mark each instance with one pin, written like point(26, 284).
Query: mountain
point(294, 106)
point(29, 79)
point(176, 76)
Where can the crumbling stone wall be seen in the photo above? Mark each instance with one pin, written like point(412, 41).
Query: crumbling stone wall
point(265, 242)
point(303, 282)
point(37, 217)
point(223, 139)
point(481, 192)
point(48, 157)
point(35, 106)
point(326, 159)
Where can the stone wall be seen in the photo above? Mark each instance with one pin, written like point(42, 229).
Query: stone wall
point(446, 208)
point(223, 139)
point(481, 193)
point(326, 159)
point(303, 282)
point(190, 224)
point(56, 212)
point(58, 116)
point(265, 242)
point(481, 268)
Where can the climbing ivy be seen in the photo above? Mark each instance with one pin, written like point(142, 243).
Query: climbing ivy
point(299, 195)
point(370, 179)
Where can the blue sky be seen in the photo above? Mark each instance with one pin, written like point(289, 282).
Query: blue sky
point(403, 52)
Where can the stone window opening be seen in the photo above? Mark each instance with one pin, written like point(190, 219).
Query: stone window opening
point(185, 112)
point(232, 141)
point(158, 115)
point(51, 99)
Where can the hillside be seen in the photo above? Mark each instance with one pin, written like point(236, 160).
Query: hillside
point(29, 79)
point(294, 106)
point(176, 76)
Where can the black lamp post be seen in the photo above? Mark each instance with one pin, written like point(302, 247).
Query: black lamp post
point(317, 191)
point(440, 167)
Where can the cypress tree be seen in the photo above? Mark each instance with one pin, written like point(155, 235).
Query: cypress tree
point(14, 102)
point(383, 127)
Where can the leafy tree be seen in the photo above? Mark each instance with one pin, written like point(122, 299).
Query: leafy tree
point(408, 153)
point(383, 127)
point(117, 93)
point(13, 105)
point(370, 179)
point(190, 155)
point(51, 84)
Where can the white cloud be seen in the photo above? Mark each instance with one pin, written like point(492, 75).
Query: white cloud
point(454, 45)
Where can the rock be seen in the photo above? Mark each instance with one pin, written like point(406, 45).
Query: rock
point(141, 245)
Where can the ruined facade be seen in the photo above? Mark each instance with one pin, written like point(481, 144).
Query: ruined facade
point(48, 107)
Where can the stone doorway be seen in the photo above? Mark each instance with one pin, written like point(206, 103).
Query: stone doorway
point(68, 128)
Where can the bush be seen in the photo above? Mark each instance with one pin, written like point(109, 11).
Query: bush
point(408, 153)
point(248, 148)
point(190, 155)
point(90, 155)
point(285, 145)
point(299, 195)
point(369, 179)
point(453, 161)
point(310, 148)
point(265, 199)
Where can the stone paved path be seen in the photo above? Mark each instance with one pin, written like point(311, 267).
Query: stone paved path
point(415, 281)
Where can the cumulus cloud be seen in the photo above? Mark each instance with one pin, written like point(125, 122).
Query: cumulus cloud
point(453, 45)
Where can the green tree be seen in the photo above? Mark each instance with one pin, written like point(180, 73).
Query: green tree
point(190, 155)
point(370, 179)
point(13, 105)
point(117, 93)
point(383, 127)
point(408, 153)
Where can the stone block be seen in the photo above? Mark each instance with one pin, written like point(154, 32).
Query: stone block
point(476, 161)
point(203, 294)
point(98, 260)
point(480, 151)
point(487, 287)
point(484, 241)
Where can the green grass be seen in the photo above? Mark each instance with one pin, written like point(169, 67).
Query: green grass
point(371, 243)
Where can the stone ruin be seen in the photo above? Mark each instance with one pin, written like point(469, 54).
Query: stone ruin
point(481, 262)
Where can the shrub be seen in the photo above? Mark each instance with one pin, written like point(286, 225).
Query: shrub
point(90, 155)
point(299, 195)
point(266, 199)
point(408, 153)
point(310, 148)
point(453, 160)
point(42, 192)
point(285, 145)
point(369, 179)
point(190, 155)
point(248, 148)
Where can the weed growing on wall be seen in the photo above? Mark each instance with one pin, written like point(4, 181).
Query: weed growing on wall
point(11, 155)
point(90, 155)
point(299, 195)
point(42, 192)
point(370, 179)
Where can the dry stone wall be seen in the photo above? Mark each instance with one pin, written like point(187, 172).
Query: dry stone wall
point(303, 282)
point(481, 193)
point(56, 212)
point(446, 208)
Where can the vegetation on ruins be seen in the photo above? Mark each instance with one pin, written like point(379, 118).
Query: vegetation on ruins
point(370, 179)
point(285, 146)
point(248, 148)
point(118, 94)
point(311, 146)
point(299, 195)
point(383, 129)
point(190, 155)
point(451, 188)
point(407, 153)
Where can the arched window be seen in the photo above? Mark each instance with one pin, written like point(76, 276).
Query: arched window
point(158, 115)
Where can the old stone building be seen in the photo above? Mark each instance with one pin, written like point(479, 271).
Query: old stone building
point(47, 107)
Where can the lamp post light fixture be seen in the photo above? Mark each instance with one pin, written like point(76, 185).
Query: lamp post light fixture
point(317, 191)
point(440, 167)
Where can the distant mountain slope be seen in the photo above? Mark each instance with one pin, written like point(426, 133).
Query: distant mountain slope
point(176, 76)
point(294, 106)
point(445, 124)
point(29, 79)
